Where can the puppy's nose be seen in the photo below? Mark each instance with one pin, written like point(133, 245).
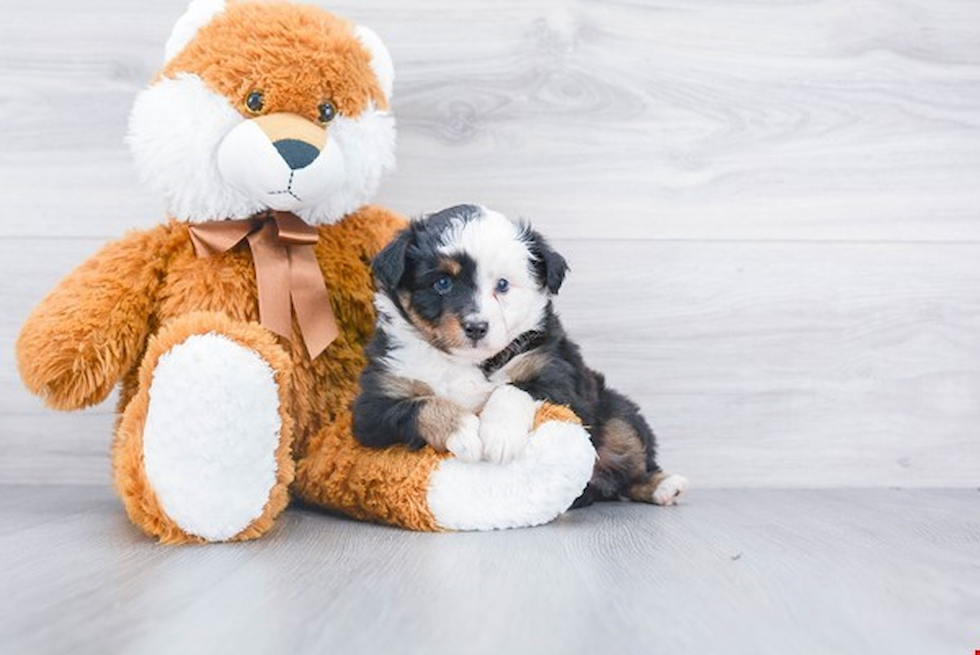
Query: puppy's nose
point(297, 154)
point(475, 330)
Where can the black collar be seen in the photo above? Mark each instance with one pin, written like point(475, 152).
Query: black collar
point(522, 344)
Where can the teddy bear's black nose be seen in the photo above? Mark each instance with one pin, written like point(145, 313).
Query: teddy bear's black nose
point(297, 154)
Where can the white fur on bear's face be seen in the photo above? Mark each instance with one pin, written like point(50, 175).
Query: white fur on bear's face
point(178, 129)
point(250, 162)
point(175, 129)
point(366, 143)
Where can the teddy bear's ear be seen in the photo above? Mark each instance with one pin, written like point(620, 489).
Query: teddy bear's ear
point(199, 13)
point(381, 62)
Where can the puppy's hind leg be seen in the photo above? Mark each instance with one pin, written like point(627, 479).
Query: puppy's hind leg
point(627, 460)
point(658, 488)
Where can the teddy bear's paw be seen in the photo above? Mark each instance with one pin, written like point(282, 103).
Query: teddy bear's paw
point(211, 434)
point(465, 442)
point(505, 424)
point(530, 490)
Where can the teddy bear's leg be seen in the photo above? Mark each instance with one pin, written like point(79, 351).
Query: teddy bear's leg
point(425, 490)
point(202, 450)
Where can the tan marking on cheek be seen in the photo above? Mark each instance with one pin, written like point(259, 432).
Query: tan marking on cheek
point(450, 332)
point(438, 420)
point(281, 126)
point(427, 329)
point(446, 334)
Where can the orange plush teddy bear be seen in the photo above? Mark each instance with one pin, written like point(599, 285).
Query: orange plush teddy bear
point(237, 327)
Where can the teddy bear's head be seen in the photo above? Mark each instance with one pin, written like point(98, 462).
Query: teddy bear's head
point(266, 105)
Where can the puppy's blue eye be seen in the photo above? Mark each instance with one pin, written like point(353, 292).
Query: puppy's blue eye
point(502, 285)
point(443, 285)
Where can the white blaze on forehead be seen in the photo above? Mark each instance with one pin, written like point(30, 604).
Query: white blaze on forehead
point(494, 243)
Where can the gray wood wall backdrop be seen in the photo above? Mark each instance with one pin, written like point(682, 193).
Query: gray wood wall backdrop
point(772, 209)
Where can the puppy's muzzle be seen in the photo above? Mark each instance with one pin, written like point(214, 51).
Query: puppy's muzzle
point(475, 330)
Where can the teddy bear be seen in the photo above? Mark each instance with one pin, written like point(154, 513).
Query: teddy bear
point(235, 329)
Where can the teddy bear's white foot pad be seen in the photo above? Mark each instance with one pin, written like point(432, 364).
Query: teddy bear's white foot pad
point(533, 489)
point(211, 434)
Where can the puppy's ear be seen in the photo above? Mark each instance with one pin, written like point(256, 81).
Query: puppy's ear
point(549, 266)
point(388, 266)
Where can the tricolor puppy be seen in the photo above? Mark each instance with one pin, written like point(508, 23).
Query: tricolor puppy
point(467, 346)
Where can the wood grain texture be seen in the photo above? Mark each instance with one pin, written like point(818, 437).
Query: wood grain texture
point(56, 448)
point(658, 119)
point(741, 572)
point(776, 364)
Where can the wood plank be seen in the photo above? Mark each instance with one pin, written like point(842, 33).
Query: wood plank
point(57, 448)
point(30, 269)
point(719, 120)
point(791, 364)
point(837, 571)
point(773, 364)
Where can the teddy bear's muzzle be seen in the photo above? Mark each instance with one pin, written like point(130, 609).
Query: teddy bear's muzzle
point(280, 161)
point(298, 140)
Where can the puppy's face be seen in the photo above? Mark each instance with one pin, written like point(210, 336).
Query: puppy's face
point(470, 280)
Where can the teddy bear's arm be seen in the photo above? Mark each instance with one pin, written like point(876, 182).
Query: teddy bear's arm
point(90, 329)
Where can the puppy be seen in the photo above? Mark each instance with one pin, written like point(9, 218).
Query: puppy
point(468, 345)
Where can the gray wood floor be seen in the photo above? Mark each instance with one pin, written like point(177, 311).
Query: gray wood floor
point(750, 571)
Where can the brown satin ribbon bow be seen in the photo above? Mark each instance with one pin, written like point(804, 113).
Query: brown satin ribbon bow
point(286, 272)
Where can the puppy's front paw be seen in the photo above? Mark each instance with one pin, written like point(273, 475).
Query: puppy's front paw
point(505, 424)
point(465, 442)
point(502, 442)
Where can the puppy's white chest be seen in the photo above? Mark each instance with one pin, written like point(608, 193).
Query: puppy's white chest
point(465, 385)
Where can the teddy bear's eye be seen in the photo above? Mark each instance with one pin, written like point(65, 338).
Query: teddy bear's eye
point(254, 102)
point(327, 112)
